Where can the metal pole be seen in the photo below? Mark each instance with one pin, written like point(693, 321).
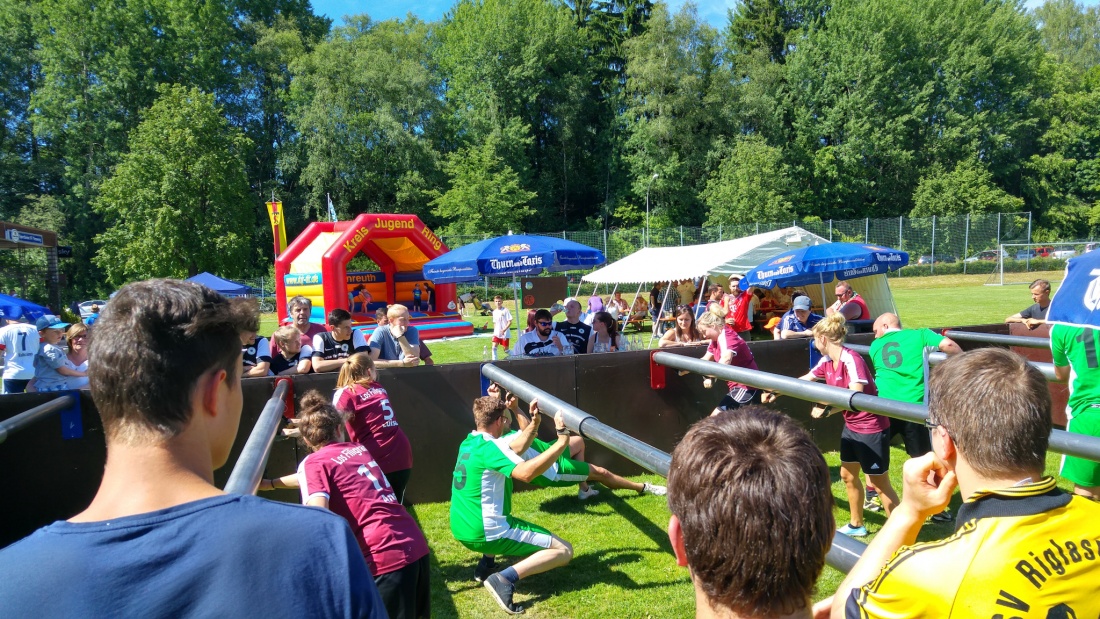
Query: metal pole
point(932, 266)
point(966, 243)
point(901, 224)
point(38, 413)
point(681, 236)
point(720, 237)
point(866, 229)
point(996, 338)
point(1000, 259)
point(648, 186)
point(830, 230)
point(250, 465)
point(1068, 443)
point(583, 423)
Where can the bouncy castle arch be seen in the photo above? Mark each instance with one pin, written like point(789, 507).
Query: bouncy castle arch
point(315, 264)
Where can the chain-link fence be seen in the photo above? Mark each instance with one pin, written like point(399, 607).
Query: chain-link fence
point(929, 240)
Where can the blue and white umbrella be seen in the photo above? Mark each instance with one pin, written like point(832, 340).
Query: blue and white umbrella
point(1077, 301)
point(513, 254)
point(15, 308)
point(819, 264)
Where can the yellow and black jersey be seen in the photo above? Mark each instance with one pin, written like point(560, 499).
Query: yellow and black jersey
point(1025, 551)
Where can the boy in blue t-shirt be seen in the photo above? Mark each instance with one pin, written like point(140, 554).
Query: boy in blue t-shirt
point(159, 539)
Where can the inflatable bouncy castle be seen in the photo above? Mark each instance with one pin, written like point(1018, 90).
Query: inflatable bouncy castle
point(314, 265)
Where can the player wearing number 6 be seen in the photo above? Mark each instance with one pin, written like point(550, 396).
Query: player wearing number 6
point(346, 478)
point(371, 420)
point(481, 500)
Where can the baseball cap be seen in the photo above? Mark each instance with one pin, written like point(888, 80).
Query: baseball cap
point(49, 321)
point(773, 323)
point(801, 303)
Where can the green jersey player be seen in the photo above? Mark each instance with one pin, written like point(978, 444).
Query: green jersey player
point(1074, 350)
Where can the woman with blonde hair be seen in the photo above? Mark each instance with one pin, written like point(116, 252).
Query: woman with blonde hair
point(727, 347)
point(865, 440)
point(345, 477)
point(77, 357)
point(371, 420)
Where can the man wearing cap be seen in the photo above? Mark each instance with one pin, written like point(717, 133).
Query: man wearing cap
point(799, 321)
point(737, 304)
point(50, 371)
point(20, 343)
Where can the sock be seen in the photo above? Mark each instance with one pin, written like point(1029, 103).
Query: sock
point(510, 574)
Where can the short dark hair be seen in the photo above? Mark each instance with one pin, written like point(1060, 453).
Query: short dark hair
point(1042, 284)
point(543, 314)
point(731, 476)
point(299, 301)
point(153, 341)
point(487, 410)
point(996, 408)
point(338, 316)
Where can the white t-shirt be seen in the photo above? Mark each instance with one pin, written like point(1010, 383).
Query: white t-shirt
point(530, 345)
point(20, 342)
point(502, 319)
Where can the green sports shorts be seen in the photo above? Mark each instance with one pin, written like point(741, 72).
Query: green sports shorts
point(1078, 470)
point(563, 473)
point(522, 539)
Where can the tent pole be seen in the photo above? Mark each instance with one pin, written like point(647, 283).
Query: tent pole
point(630, 310)
point(821, 280)
point(660, 314)
point(515, 319)
point(703, 288)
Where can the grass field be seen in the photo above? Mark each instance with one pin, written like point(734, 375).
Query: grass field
point(623, 565)
point(938, 301)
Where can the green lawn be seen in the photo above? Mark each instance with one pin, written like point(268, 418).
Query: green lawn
point(623, 564)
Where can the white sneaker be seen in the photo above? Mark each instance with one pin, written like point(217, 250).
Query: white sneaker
point(587, 494)
point(648, 488)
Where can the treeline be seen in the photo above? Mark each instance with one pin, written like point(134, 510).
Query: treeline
point(150, 132)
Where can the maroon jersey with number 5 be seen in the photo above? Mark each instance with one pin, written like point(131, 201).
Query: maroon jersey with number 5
point(373, 424)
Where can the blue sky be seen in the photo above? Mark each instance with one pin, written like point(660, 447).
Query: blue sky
point(714, 11)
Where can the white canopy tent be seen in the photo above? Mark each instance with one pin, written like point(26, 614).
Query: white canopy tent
point(718, 260)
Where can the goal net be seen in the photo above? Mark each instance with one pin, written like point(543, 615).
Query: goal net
point(1023, 263)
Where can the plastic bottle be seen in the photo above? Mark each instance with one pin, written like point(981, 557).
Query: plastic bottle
point(485, 353)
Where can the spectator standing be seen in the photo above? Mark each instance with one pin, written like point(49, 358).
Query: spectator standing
point(576, 332)
point(1022, 547)
point(51, 370)
point(301, 309)
point(330, 348)
point(502, 325)
point(77, 357)
point(417, 295)
point(686, 291)
point(595, 304)
point(396, 343)
point(729, 477)
point(159, 537)
point(21, 342)
point(344, 477)
point(737, 304)
point(293, 357)
point(1075, 361)
point(361, 300)
point(430, 289)
point(1036, 314)
point(93, 316)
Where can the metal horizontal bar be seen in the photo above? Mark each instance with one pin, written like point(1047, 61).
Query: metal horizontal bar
point(997, 338)
point(642, 454)
point(1081, 446)
point(250, 465)
point(27, 417)
point(937, 358)
point(843, 553)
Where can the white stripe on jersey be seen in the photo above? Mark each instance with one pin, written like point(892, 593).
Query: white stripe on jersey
point(493, 488)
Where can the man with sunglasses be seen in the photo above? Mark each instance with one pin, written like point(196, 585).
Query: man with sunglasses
point(544, 341)
point(1022, 547)
point(848, 303)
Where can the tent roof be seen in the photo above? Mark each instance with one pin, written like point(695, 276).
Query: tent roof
point(218, 284)
point(662, 264)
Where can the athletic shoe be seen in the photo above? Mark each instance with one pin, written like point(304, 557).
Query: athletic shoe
point(654, 489)
point(486, 566)
point(873, 504)
point(944, 516)
point(502, 591)
point(851, 531)
point(587, 494)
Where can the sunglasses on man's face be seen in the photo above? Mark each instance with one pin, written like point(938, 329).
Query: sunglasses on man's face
point(544, 324)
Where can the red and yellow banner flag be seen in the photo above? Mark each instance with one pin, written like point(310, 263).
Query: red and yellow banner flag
point(278, 225)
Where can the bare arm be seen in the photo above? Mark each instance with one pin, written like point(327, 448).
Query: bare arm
point(1061, 372)
point(850, 310)
point(530, 469)
point(330, 365)
point(260, 369)
point(67, 371)
point(276, 483)
point(529, 429)
point(948, 346)
point(787, 334)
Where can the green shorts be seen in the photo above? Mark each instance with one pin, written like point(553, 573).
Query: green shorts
point(523, 539)
point(563, 473)
point(1078, 470)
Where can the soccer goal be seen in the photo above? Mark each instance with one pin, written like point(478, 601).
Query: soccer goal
point(1022, 263)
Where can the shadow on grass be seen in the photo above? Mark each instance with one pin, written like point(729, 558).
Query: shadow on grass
point(442, 600)
point(931, 530)
point(567, 504)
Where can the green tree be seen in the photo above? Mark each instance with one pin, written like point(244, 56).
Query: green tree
point(485, 196)
point(178, 203)
point(1071, 32)
point(749, 185)
point(968, 189)
point(365, 104)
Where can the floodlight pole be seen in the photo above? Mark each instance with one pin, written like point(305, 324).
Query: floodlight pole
point(647, 188)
